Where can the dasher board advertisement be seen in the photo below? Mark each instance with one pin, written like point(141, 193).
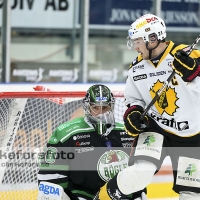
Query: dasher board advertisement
point(117, 14)
point(45, 14)
point(65, 73)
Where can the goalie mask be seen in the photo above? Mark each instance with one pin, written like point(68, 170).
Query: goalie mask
point(98, 105)
point(148, 27)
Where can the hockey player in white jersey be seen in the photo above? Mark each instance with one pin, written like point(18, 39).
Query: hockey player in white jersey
point(172, 125)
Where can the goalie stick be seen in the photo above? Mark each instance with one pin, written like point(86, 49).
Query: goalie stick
point(166, 83)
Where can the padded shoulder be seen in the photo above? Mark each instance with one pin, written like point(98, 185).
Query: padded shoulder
point(70, 128)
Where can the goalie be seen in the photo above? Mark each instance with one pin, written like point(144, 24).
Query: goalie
point(83, 154)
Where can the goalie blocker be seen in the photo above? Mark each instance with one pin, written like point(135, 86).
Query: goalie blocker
point(51, 191)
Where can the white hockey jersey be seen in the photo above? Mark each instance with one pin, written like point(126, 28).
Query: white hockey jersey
point(177, 110)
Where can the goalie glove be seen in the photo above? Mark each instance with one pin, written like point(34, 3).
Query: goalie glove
point(133, 122)
point(51, 191)
point(185, 66)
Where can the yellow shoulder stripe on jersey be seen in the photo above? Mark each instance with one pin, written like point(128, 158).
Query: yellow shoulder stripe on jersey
point(140, 57)
point(168, 49)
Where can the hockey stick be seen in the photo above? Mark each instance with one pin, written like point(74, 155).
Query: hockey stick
point(166, 83)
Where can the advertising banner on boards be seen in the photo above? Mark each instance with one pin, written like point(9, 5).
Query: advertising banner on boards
point(115, 14)
point(103, 14)
point(45, 14)
point(65, 73)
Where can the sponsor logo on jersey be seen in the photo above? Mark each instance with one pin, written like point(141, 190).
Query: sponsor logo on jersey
point(169, 64)
point(127, 145)
point(66, 125)
point(170, 59)
point(78, 143)
point(85, 149)
point(78, 137)
point(157, 73)
point(139, 77)
point(51, 155)
point(180, 126)
point(49, 189)
point(137, 67)
point(110, 163)
point(127, 139)
point(167, 99)
point(123, 133)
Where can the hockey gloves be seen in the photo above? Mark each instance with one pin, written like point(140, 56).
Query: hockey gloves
point(133, 122)
point(185, 66)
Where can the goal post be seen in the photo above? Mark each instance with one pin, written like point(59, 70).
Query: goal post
point(27, 121)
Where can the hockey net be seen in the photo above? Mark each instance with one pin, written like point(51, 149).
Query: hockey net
point(27, 121)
